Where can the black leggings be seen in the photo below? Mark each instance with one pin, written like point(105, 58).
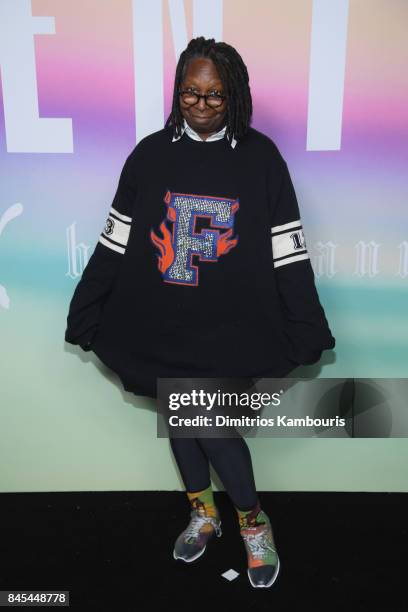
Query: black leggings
point(231, 459)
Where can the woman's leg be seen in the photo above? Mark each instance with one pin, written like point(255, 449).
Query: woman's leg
point(205, 521)
point(192, 463)
point(231, 459)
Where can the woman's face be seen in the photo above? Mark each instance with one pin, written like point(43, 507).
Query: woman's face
point(201, 75)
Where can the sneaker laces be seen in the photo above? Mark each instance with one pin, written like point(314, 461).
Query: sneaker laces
point(196, 523)
point(258, 542)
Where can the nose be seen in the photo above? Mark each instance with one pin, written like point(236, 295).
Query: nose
point(201, 104)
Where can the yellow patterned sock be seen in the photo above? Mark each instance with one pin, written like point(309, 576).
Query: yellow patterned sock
point(203, 501)
point(247, 518)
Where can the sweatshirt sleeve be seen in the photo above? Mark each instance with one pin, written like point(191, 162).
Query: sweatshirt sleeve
point(103, 266)
point(306, 326)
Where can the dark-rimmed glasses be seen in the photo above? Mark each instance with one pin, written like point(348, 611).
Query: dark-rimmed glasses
point(212, 99)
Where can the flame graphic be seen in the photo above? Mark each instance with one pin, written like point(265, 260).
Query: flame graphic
point(165, 247)
point(224, 244)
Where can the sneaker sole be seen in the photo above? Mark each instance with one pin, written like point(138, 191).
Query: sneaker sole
point(201, 552)
point(270, 583)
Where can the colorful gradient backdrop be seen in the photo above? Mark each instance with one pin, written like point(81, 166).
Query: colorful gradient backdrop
point(103, 70)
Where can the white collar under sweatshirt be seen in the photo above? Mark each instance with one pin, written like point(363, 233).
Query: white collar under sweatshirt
point(195, 136)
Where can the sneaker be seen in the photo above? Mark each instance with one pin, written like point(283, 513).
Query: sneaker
point(263, 560)
point(192, 542)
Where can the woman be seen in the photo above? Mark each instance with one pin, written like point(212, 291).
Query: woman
point(202, 271)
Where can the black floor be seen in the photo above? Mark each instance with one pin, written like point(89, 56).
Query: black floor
point(113, 551)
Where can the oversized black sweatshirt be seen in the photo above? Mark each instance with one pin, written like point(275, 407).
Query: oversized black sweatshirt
point(201, 269)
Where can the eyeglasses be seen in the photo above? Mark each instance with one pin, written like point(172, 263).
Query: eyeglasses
point(213, 100)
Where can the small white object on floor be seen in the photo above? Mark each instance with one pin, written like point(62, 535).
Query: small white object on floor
point(230, 574)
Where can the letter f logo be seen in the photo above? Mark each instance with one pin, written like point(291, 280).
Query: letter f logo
point(178, 247)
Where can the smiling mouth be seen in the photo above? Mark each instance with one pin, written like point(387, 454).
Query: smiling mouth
point(201, 116)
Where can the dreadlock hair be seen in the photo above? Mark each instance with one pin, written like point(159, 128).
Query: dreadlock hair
point(234, 76)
